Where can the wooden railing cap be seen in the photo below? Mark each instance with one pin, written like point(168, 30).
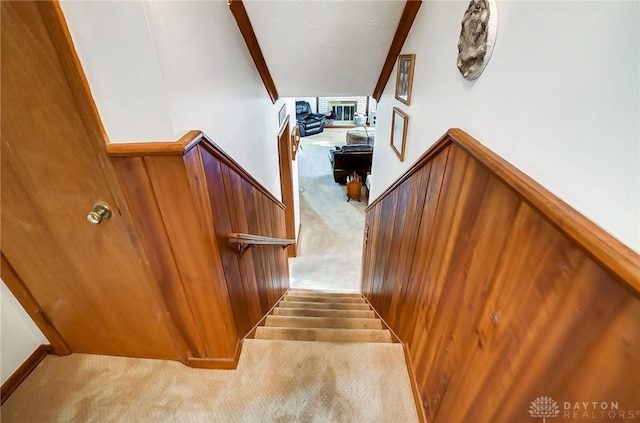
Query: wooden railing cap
point(157, 148)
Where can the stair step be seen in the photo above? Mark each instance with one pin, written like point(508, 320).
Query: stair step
point(338, 306)
point(322, 322)
point(324, 334)
point(314, 312)
point(306, 293)
point(323, 299)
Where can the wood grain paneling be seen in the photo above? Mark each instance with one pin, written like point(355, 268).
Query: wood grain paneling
point(500, 291)
point(151, 229)
point(259, 277)
point(185, 203)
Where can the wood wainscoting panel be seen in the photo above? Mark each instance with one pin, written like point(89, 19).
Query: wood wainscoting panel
point(185, 202)
point(193, 245)
point(148, 221)
point(496, 302)
point(181, 249)
point(259, 277)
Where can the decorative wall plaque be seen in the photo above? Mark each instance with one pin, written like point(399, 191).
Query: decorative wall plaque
point(477, 37)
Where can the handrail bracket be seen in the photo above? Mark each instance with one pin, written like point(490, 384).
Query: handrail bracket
point(242, 248)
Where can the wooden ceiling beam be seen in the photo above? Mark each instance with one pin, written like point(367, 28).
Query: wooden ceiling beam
point(404, 26)
point(246, 29)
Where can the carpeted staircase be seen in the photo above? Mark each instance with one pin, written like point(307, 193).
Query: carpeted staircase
point(305, 315)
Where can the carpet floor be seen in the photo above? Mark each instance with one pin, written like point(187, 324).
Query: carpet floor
point(276, 381)
point(331, 229)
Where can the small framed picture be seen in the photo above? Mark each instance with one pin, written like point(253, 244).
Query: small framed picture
point(404, 77)
point(399, 122)
point(282, 114)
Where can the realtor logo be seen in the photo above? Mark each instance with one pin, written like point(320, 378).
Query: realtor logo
point(544, 407)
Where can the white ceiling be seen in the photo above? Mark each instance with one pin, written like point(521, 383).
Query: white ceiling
point(324, 48)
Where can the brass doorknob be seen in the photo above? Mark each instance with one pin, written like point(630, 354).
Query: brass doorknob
point(100, 211)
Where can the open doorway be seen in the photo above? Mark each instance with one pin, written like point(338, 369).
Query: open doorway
point(332, 228)
point(328, 254)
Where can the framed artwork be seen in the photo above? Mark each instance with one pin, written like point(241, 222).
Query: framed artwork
point(404, 77)
point(399, 122)
point(295, 142)
point(282, 114)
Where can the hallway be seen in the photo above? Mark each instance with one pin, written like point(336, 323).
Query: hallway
point(331, 233)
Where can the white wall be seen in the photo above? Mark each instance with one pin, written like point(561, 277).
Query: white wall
point(159, 69)
point(115, 48)
point(560, 100)
point(19, 336)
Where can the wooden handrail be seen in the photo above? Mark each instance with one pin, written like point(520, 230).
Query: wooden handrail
point(603, 247)
point(242, 242)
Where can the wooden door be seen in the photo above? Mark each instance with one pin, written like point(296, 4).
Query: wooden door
point(286, 184)
point(92, 281)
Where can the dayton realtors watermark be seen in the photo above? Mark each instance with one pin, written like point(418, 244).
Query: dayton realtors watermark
point(597, 410)
point(548, 408)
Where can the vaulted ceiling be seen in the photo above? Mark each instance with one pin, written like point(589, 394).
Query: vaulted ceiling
point(324, 48)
